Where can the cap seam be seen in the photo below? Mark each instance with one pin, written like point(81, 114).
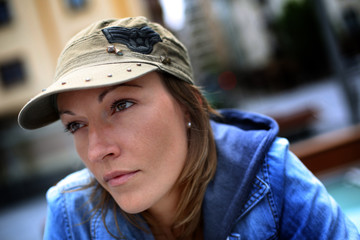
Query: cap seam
point(81, 40)
point(154, 60)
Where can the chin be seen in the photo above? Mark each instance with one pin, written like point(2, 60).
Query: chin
point(132, 206)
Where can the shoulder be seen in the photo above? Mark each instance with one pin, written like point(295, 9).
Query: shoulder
point(279, 148)
point(72, 189)
point(71, 192)
point(69, 208)
point(297, 196)
point(73, 181)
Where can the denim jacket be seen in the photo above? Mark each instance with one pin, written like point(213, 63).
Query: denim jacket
point(260, 191)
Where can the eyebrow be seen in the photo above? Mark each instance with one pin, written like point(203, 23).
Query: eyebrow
point(103, 94)
point(110, 89)
point(66, 112)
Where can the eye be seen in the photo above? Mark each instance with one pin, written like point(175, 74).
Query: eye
point(72, 127)
point(121, 105)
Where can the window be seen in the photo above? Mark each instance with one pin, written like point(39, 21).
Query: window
point(12, 73)
point(76, 4)
point(5, 16)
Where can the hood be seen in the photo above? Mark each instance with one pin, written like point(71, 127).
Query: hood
point(242, 141)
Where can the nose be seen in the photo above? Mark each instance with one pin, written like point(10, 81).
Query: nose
point(102, 144)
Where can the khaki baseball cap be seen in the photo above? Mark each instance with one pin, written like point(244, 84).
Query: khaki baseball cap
point(108, 52)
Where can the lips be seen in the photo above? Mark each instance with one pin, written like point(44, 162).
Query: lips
point(117, 178)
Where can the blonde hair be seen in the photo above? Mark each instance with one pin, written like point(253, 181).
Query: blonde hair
point(199, 168)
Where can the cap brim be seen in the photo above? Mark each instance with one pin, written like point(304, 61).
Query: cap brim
point(41, 110)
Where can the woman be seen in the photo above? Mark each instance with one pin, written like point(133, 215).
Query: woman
point(160, 163)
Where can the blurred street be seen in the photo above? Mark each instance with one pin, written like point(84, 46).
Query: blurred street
point(24, 220)
point(326, 97)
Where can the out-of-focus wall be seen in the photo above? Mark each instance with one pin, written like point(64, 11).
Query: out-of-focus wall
point(35, 33)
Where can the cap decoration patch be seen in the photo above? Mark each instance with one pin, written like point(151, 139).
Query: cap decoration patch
point(139, 40)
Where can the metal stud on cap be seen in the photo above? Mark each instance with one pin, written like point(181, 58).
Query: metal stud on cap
point(87, 79)
point(129, 69)
point(111, 49)
point(109, 75)
point(63, 83)
point(165, 60)
point(119, 52)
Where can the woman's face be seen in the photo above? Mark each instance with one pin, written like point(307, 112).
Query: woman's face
point(132, 137)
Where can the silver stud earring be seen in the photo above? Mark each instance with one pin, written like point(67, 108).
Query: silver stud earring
point(189, 124)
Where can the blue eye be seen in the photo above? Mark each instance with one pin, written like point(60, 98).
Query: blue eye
point(121, 105)
point(72, 127)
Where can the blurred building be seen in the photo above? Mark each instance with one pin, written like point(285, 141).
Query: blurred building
point(224, 35)
point(240, 35)
point(32, 34)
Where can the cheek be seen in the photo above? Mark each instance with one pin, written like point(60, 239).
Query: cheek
point(81, 146)
point(165, 136)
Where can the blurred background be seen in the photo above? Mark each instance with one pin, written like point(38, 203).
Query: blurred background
point(295, 60)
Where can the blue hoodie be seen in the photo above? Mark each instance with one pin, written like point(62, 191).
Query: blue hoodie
point(260, 191)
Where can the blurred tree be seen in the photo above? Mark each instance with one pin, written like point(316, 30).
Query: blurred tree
point(299, 38)
point(350, 41)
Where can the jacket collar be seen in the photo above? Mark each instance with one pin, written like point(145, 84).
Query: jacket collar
point(242, 140)
point(101, 232)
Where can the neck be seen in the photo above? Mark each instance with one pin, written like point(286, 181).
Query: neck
point(163, 215)
point(164, 212)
